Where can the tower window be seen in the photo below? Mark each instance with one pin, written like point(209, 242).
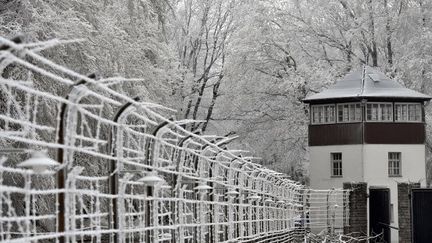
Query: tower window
point(349, 112)
point(408, 112)
point(323, 114)
point(336, 164)
point(379, 112)
point(394, 164)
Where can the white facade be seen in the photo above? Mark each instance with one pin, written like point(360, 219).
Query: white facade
point(368, 163)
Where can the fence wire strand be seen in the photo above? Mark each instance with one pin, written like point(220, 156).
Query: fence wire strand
point(108, 144)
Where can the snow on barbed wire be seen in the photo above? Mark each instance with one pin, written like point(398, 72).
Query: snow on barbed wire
point(54, 66)
point(129, 170)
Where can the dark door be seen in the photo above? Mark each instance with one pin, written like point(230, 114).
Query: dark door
point(379, 214)
point(422, 215)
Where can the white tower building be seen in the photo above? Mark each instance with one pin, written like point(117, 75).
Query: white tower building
point(368, 128)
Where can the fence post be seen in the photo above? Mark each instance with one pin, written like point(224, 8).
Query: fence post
point(179, 192)
point(231, 181)
point(121, 207)
point(66, 119)
point(113, 173)
point(151, 209)
point(218, 142)
point(70, 198)
point(242, 197)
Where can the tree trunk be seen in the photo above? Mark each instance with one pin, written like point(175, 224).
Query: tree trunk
point(388, 35)
point(349, 57)
point(423, 69)
point(213, 102)
point(373, 49)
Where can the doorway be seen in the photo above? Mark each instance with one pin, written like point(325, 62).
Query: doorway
point(379, 214)
point(422, 215)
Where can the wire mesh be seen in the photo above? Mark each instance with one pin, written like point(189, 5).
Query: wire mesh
point(109, 145)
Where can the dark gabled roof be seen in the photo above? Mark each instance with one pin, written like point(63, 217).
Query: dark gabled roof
point(366, 83)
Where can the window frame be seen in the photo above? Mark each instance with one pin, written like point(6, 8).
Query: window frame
point(312, 122)
point(379, 113)
point(349, 103)
point(332, 167)
point(390, 169)
point(408, 103)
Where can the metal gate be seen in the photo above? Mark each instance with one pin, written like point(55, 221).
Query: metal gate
point(379, 213)
point(421, 215)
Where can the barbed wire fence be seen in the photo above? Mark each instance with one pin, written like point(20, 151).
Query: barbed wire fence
point(125, 171)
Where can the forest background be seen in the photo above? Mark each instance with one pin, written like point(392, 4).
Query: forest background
point(241, 66)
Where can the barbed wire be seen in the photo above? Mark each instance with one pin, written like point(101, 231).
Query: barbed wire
point(133, 174)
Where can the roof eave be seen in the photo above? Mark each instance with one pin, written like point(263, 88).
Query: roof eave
point(354, 98)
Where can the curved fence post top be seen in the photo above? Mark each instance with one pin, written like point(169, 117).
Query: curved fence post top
point(174, 185)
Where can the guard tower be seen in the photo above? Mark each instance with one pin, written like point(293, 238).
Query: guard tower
point(368, 128)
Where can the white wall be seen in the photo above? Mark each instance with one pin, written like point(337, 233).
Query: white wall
point(320, 172)
point(320, 167)
point(368, 163)
point(376, 163)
